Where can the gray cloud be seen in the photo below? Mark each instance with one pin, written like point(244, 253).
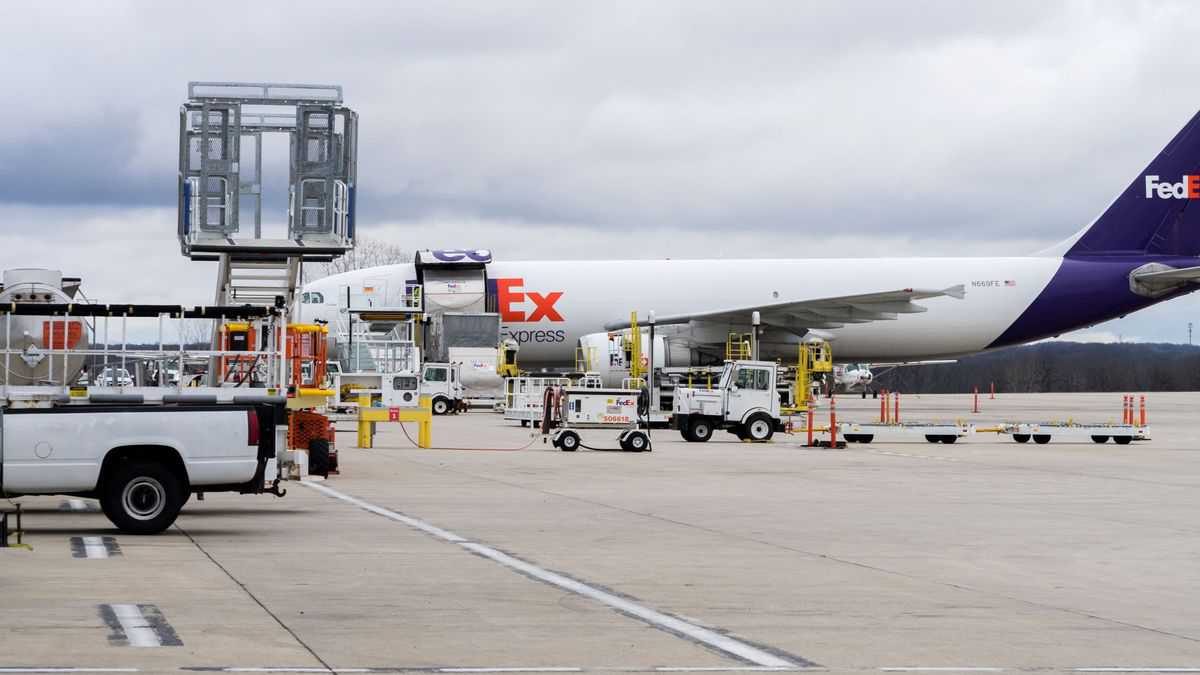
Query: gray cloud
point(1018, 119)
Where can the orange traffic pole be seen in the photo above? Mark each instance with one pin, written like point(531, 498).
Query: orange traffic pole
point(1142, 411)
point(883, 407)
point(993, 394)
point(896, 416)
point(975, 401)
point(833, 422)
point(1126, 411)
point(809, 415)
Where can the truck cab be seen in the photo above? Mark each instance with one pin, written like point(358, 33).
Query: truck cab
point(744, 402)
point(442, 383)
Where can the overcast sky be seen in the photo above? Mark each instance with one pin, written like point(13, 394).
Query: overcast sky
point(606, 129)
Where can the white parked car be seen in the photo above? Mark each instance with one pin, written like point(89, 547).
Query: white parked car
point(114, 377)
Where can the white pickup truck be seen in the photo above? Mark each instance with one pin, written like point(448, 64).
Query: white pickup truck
point(141, 462)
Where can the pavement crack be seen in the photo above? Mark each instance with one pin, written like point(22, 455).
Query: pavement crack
point(256, 600)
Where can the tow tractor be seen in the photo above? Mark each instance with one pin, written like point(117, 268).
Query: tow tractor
point(745, 402)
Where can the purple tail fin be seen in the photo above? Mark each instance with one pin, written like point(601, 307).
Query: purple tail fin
point(1159, 213)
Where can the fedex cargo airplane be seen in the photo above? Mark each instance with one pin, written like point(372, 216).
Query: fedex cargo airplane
point(1141, 250)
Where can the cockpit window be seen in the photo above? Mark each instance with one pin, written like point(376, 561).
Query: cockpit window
point(312, 298)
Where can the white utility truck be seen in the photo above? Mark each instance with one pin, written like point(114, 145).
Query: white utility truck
point(442, 383)
point(745, 402)
point(141, 450)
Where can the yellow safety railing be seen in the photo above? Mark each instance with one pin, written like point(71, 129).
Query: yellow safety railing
point(636, 369)
point(813, 358)
point(585, 358)
point(422, 415)
point(737, 347)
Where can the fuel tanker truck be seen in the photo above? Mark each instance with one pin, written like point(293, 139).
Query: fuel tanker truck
point(140, 451)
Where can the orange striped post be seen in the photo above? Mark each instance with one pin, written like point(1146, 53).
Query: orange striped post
point(809, 415)
point(833, 422)
point(975, 401)
point(993, 394)
point(896, 417)
point(1142, 411)
point(883, 407)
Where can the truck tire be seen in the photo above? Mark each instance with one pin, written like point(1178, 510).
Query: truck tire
point(1122, 440)
point(142, 497)
point(318, 457)
point(440, 406)
point(1041, 439)
point(759, 428)
point(1099, 439)
point(1021, 438)
point(699, 430)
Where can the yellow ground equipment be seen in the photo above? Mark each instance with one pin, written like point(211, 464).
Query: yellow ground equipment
point(737, 347)
point(638, 367)
point(506, 365)
point(367, 416)
point(815, 358)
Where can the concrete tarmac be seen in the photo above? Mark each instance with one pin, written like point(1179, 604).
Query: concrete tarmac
point(980, 556)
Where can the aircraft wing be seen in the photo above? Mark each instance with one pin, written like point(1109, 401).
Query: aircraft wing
point(833, 312)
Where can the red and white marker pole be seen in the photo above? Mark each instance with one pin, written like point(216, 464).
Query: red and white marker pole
point(1142, 411)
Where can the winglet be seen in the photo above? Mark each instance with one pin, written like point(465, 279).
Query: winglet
point(959, 291)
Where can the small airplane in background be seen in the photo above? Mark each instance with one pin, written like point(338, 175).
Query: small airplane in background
point(859, 377)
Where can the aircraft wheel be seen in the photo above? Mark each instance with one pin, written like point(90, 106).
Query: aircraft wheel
point(1041, 439)
point(1122, 440)
point(1021, 438)
point(1099, 439)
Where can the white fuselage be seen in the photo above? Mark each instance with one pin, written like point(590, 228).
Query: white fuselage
point(576, 298)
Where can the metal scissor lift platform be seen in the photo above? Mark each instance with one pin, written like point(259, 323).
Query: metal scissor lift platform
point(221, 129)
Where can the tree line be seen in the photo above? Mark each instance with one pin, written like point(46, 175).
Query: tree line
point(1057, 367)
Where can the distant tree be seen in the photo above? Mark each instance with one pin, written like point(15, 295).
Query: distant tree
point(367, 252)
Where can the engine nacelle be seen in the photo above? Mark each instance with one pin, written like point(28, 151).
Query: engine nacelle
point(609, 354)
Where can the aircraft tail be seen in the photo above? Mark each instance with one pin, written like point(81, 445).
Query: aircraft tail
point(1158, 214)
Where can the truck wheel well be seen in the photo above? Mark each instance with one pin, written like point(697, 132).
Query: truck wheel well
point(159, 454)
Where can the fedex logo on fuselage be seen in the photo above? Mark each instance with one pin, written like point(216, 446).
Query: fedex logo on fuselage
point(519, 305)
point(1188, 188)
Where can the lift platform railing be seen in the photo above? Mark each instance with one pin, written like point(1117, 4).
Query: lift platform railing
point(77, 337)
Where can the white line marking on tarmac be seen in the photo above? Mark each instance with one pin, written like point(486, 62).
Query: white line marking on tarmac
point(942, 669)
point(94, 547)
point(542, 669)
point(138, 631)
point(69, 670)
point(537, 669)
point(711, 638)
point(380, 511)
point(1135, 669)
